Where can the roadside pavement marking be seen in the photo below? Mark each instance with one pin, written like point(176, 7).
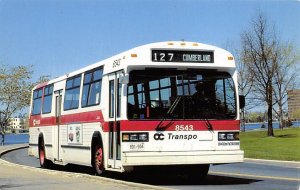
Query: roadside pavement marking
point(255, 176)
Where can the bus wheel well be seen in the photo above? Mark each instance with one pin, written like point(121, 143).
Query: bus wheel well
point(96, 140)
point(97, 154)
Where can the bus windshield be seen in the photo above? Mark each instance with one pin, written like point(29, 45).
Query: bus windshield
point(174, 94)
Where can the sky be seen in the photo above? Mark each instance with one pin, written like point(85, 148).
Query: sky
point(60, 36)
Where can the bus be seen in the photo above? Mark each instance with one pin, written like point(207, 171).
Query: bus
point(167, 104)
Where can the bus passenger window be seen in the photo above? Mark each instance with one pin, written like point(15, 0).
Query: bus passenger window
point(37, 101)
point(48, 91)
point(92, 88)
point(72, 93)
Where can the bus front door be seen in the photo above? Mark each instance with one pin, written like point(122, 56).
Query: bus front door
point(114, 115)
point(58, 100)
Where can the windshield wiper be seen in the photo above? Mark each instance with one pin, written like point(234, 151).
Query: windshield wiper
point(161, 127)
point(206, 120)
point(170, 111)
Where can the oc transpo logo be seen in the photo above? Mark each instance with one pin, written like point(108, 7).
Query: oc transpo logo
point(159, 136)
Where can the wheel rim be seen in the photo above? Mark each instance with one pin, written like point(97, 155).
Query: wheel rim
point(99, 160)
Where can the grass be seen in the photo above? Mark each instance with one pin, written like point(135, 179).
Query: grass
point(285, 145)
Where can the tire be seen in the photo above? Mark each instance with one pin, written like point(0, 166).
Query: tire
point(44, 163)
point(98, 160)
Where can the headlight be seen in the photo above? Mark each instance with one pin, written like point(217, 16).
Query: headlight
point(230, 136)
point(143, 137)
point(222, 136)
point(135, 137)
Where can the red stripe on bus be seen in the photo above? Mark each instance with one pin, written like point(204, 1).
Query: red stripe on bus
point(84, 117)
point(37, 120)
point(180, 125)
point(142, 125)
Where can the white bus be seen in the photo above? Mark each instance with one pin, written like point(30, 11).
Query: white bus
point(172, 104)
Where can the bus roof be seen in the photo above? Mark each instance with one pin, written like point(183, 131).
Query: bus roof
point(137, 57)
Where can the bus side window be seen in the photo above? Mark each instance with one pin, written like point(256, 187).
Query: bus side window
point(72, 93)
point(47, 104)
point(37, 101)
point(92, 88)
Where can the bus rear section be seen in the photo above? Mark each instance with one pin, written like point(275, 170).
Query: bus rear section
point(180, 117)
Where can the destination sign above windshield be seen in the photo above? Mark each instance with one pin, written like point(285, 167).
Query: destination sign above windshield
point(182, 56)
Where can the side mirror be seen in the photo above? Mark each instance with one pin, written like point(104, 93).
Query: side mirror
point(242, 101)
point(124, 79)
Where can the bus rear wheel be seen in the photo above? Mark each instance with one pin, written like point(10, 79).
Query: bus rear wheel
point(98, 160)
point(42, 156)
point(44, 163)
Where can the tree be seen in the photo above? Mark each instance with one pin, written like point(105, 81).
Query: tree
point(245, 82)
point(285, 78)
point(15, 88)
point(42, 79)
point(261, 45)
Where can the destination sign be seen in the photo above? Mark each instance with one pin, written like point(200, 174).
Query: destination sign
point(182, 56)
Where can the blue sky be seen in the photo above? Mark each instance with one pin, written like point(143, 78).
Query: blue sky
point(60, 36)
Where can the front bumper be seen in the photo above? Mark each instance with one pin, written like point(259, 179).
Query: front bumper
point(182, 158)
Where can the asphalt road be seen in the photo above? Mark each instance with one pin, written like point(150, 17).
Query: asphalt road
point(246, 175)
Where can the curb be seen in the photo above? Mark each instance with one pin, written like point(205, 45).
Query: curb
point(70, 174)
point(293, 164)
point(12, 149)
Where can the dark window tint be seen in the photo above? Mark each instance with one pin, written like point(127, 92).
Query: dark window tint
point(191, 94)
point(47, 104)
point(37, 101)
point(72, 93)
point(92, 88)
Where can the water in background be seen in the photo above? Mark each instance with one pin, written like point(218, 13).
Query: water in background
point(15, 139)
point(256, 126)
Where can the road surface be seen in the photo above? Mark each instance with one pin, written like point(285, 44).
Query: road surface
point(248, 175)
